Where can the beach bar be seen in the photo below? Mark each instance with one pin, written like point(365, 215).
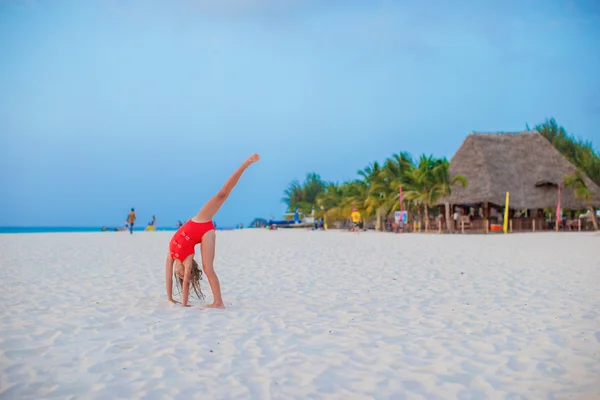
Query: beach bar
point(527, 166)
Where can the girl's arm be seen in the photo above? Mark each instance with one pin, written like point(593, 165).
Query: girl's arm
point(169, 278)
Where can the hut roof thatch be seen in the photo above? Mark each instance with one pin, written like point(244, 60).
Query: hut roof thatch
point(524, 164)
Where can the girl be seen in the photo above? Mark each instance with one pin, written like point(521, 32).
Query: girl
point(199, 229)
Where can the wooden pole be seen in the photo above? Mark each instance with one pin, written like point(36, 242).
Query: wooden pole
point(534, 224)
point(462, 226)
point(579, 224)
point(487, 226)
point(414, 226)
point(510, 225)
point(440, 225)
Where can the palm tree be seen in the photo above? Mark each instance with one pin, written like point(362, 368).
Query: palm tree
point(332, 201)
point(293, 194)
point(444, 184)
point(421, 185)
point(304, 195)
point(394, 175)
point(312, 187)
point(355, 195)
point(580, 153)
point(375, 191)
point(582, 192)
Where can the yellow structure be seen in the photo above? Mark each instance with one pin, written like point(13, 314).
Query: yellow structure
point(505, 227)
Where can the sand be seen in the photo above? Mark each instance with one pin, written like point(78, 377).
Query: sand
point(311, 315)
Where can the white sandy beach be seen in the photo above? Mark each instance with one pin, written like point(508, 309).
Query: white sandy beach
point(311, 315)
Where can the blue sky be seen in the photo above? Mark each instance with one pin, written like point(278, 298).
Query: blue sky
point(105, 105)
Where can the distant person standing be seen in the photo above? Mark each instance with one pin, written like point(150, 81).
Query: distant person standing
point(152, 224)
point(355, 216)
point(456, 215)
point(131, 219)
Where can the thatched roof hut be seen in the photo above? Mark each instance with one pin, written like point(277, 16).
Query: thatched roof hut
point(524, 164)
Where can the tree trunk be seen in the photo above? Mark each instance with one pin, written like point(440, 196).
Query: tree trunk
point(426, 218)
point(420, 211)
point(594, 219)
point(448, 216)
point(378, 216)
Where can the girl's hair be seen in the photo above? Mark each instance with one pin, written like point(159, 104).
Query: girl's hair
point(194, 281)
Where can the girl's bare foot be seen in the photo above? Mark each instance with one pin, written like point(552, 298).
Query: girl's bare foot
point(220, 306)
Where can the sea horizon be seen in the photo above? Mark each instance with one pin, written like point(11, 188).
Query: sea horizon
point(76, 229)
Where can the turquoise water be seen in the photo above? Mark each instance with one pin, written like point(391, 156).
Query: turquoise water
point(63, 229)
point(59, 229)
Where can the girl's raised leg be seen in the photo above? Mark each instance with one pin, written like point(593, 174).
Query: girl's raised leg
point(213, 205)
point(208, 257)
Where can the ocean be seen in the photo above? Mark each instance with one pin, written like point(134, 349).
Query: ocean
point(63, 229)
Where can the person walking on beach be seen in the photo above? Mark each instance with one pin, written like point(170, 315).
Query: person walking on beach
point(131, 220)
point(355, 216)
point(199, 229)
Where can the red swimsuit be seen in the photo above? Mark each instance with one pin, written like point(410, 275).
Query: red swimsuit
point(187, 237)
